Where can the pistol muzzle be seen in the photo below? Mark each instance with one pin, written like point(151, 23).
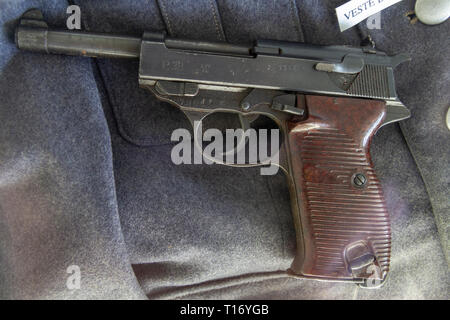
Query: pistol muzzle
point(33, 34)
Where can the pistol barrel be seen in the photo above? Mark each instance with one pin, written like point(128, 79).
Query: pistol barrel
point(77, 43)
point(90, 44)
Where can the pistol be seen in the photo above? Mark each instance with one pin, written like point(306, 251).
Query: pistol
point(327, 101)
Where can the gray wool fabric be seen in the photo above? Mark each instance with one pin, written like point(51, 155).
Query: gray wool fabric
point(86, 177)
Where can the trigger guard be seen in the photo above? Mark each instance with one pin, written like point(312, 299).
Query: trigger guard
point(196, 122)
point(196, 119)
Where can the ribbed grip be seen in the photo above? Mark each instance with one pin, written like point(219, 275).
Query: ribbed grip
point(342, 223)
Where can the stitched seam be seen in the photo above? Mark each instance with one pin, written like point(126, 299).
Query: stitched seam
point(226, 283)
point(295, 20)
point(163, 9)
point(283, 241)
point(441, 233)
point(219, 34)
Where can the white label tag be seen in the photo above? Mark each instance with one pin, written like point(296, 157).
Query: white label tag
point(355, 11)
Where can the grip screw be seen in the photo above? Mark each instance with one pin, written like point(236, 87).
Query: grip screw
point(359, 179)
point(246, 106)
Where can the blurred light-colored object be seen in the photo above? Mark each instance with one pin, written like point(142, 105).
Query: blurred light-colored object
point(448, 118)
point(432, 11)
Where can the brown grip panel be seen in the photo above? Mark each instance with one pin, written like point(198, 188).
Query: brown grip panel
point(343, 228)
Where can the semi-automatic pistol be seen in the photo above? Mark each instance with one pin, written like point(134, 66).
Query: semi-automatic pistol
point(327, 101)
